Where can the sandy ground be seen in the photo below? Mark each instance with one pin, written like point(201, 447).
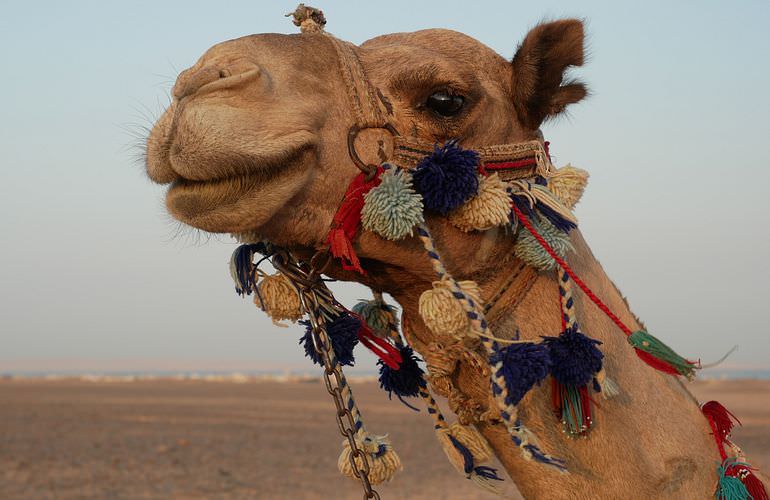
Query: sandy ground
point(185, 439)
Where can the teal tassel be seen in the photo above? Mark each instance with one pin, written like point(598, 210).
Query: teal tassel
point(528, 249)
point(393, 208)
point(377, 315)
point(730, 487)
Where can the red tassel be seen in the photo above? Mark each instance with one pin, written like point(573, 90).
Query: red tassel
point(656, 363)
point(380, 347)
point(721, 417)
point(347, 221)
point(752, 483)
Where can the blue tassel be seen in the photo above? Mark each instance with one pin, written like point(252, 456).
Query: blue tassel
point(405, 382)
point(575, 359)
point(522, 366)
point(555, 219)
point(242, 267)
point(447, 178)
point(343, 334)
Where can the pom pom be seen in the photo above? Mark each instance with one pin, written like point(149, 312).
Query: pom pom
point(447, 178)
point(405, 381)
point(343, 334)
point(575, 359)
point(521, 365)
point(383, 460)
point(377, 315)
point(279, 298)
point(489, 208)
point(442, 312)
point(393, 208)
point(528, 249)
point(568, 184)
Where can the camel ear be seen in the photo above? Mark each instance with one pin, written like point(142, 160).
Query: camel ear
point(539, 66)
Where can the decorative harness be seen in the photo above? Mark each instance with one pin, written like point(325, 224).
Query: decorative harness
point(510, 185)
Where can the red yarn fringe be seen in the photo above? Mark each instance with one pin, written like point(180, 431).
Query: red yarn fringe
point(656, 363)
point(347, 221)
point(380, 347)
point(752, 483)
point(721, 417)
point(563, 406)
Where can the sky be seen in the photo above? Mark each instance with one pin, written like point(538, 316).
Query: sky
point(95, 275)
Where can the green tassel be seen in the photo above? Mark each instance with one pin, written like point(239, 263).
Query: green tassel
point(664, 358)
point(729, 487)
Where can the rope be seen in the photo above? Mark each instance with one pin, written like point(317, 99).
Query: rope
point(509, 413)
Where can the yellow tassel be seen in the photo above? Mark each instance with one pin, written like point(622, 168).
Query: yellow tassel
point(489, 208)
point(383, 460)
point(442, 312)
point(568, 184)
point(279, 298)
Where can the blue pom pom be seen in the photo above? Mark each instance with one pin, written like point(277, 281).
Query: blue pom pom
point(523, 366)
point(343, 334)
point(407, 380)
point(447, 178)
point(575, 359)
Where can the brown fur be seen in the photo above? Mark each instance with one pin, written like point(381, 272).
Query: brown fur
point(262, 151)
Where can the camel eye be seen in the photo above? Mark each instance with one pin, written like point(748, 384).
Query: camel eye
point(444, 103)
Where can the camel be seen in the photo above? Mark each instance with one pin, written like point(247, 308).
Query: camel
point(255, 143)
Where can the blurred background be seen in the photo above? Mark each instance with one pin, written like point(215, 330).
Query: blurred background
point(97, 280)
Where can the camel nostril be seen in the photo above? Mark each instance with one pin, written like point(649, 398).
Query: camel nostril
point(224, 73)
point(189, 83)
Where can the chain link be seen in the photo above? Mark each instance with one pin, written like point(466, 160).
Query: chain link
point(316, 298)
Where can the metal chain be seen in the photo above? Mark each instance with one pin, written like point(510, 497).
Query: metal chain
point(317, 300)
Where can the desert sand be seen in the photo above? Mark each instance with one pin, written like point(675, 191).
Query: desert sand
point(71, 438)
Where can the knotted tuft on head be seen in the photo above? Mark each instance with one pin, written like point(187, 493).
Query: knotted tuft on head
point(343, 334)
point(309, 19)
point(528, 249)
point(407, 380)
point(393, 208)
point(447, 177)
point(489, 208)
point(575, 359)
point(522, 365)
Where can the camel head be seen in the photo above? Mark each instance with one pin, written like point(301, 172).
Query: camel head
point(255, 139)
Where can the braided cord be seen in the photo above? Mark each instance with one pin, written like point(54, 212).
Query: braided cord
point(508, 411)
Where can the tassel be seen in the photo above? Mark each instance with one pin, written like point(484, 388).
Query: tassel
point(442, 312)
point(575, 361)
point(547, 205)
point(347, 220)
point(383, 460)
point(342, 333)
point(721, 418)
point(377, 315)
point(242, 268)
point(489, 208)
point(380, 347)
point(393, 208)
point(521, 365)
point(406, 380)
point(608, 387)
point(661, 357)
point(447, 177)
point(279, 298)
point(752, 483)
point(529, 250)
point(568, 184)
point(464, 449)
point(730, 487)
